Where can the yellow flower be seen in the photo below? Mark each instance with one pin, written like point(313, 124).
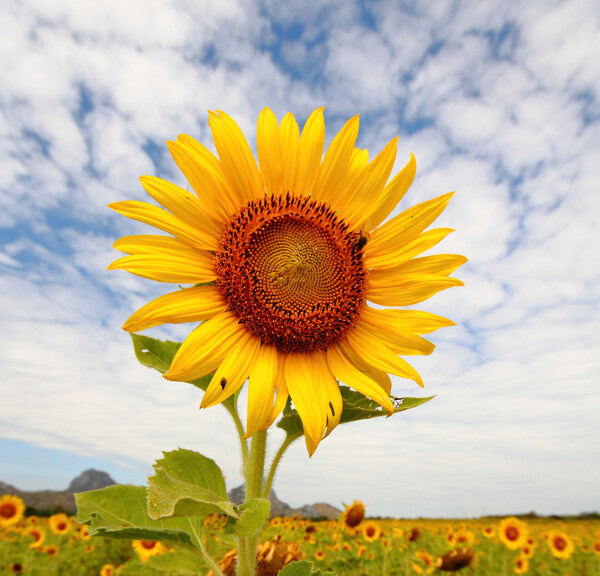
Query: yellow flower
point(107, 570)
point(12, 509)
point(38, 535)
point(371, 531)
point(521, 564)
point(60, 524)
point(284, 258)
point(354, 514)
point(147, 548)
point(513, 532)
point(560, 544)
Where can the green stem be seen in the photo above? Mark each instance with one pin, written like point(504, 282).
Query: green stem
point(254, 473)
point(231, 407)
point(271, 477)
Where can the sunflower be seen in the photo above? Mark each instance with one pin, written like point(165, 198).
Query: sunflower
point(12, 509)
point(38, 535)
point(60, 524)
point(284, 258)
point(371, 531)
point(147, 548)
point(560, 544)
point(16, 568)
point(107, 570)
point(354, 514)
point(513, 532)
point(521, 564)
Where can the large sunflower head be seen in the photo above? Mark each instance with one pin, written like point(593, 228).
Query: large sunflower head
point(513, 532)
point(560, 544)
point(291, 268)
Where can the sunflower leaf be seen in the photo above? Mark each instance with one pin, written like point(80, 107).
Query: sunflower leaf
point(120, 512)
point(303, 568)
point(159, 354)
point(356, 407)
point(180, 563)
point(185, 484)
point(254, 513)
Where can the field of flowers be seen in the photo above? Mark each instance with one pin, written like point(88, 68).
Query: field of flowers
point(352, 545)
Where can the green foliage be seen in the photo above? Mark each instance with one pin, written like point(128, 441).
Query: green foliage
point(254, 512)
point(187, 483)
point(120, 512)
point(303, 568)
point(355, 407)
point(158, 354)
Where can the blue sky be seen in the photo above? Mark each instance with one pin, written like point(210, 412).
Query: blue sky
point(499, 101)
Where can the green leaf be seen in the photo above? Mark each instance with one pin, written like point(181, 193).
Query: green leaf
point(181, 563)
point(159, 354)
point(356, 407)
point(153, 353)
point(254, 512)
point(303, 568)
point(120, 512)
point(185, 484)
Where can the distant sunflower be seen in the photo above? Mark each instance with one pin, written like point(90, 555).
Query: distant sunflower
point(60, 524)
point(513, 532)
point(521, 564)
point(38, 535)
point(371, 531)
point(12, 509)
point(560, 544)
point(16, 568)
point(147, 548)
point(284, 258)
point(354, 514)
point(107, 570)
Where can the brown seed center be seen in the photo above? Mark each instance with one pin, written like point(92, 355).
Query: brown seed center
point(8, 510)
point(292, 272)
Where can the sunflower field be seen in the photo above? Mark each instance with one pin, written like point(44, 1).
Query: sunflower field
point(351, 545)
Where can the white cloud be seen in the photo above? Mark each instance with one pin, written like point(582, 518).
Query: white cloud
point(498, 102)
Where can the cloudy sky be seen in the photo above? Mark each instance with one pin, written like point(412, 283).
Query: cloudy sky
point(498, 100)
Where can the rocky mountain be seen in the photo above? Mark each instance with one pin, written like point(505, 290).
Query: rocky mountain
point(279, 508)
point(51, 501)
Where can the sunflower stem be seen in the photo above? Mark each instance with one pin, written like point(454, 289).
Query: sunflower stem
point(271, 477)
point(254, 473)
point(231, 407)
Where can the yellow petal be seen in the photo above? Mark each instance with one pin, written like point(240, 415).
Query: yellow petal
point(439, 264)
point(310, 152)
point(397, 340)
point(350, 375)
point(309, 382)
point(356, 202)
point(380, 376)
point(374, 351)
point(414, 321)
point(186, 207)
point(405, 227)
point(166, 265)
point(163, 220)
point(188, 305)
point(261, 389)
point(236, 157)
point(392, 194)
point(204, 349)
point(282, 396)
point(205, 174)
point(289, 138)
point(336, 162)
point(232, 371)
point(411, 290)
point(397, 255)
point(270, 156)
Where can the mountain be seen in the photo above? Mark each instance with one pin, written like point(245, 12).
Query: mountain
point(279, 508)
point(52, 501)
